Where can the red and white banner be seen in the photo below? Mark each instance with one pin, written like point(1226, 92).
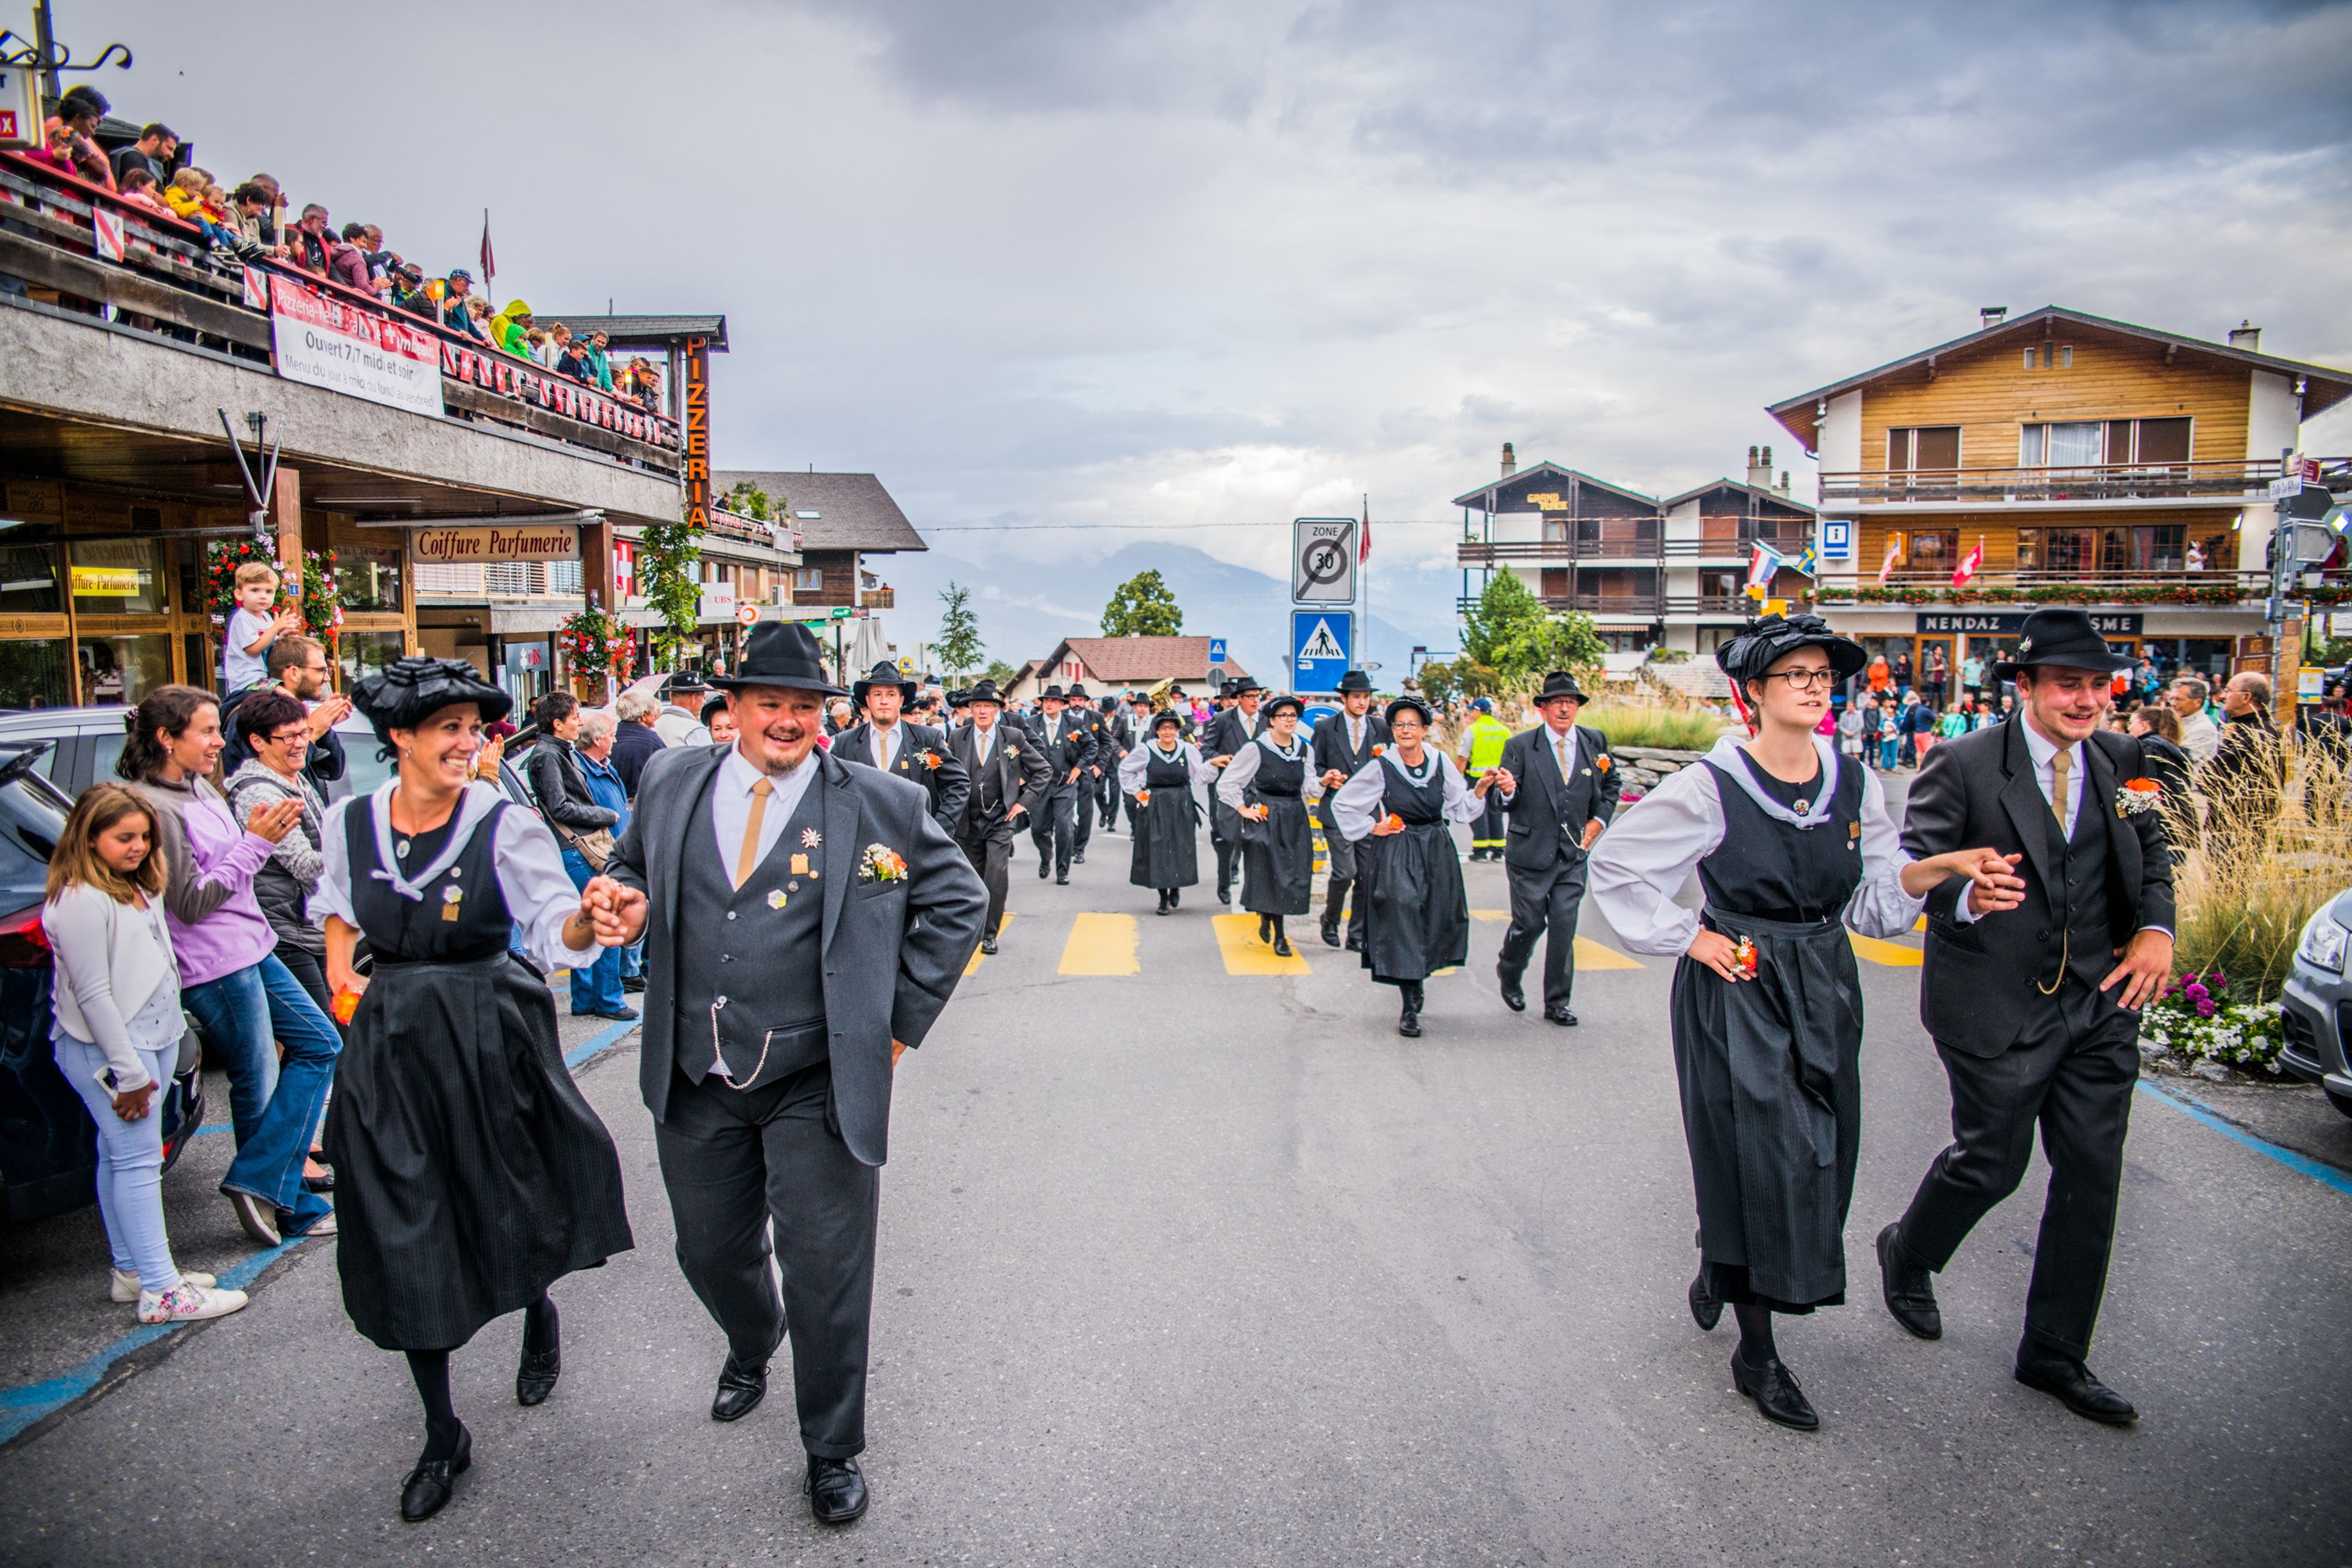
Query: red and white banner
point(514, 378)
point(322, 340)
point(107, 225)
point(256, 289)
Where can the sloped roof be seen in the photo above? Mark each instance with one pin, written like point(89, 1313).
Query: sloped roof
point(2325, 390)
point(643, 332)
point(1126, 660)
point(854, 511)
point(1774, 497)
point(1548, 468)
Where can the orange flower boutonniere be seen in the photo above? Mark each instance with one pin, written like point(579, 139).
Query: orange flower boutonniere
point(1602, 764)
point(1379, 749)
point(930, 759)
point(2137, 796)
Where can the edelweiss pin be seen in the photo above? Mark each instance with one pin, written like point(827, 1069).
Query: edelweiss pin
point(811, 837)
point(776, 899)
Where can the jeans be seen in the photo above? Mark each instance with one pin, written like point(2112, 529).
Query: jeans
point(274, 1109)
point(130, 1162)
point(597, 988)
point(1887, 753)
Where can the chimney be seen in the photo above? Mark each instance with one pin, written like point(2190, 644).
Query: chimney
point(1510, 462)
point(1992, 316)
point(1784, 481)
point(2247, 336)
point(1759, 467)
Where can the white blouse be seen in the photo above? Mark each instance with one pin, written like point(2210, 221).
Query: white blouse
point(1647, 853)
point(1356, 808)
point(538, 891)
point(1132, 766)
point(1245, 765)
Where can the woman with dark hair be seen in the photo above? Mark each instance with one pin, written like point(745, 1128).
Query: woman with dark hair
point(1792, 845)
point(2157, 729)
point(276, 729)
point(472, 1173)
point(1159, 776)
point(1269, 783)
point(1397, 809)
point(246, 1001)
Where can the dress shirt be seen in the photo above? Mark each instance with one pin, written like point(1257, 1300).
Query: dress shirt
point(1243, 770)
point(2044, 753)
point(731, 803)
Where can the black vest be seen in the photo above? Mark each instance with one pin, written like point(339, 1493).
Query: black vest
point(1420, 804)
point(404, 930)
point(749, 979)
point(2078, 898)
point(1768, 869)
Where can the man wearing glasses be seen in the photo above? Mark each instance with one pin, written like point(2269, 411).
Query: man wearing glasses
point(296, 666)
point(1562, 793)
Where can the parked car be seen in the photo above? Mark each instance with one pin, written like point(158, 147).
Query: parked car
point(49, 1147)
point(88, 739)
point(2315, 1009)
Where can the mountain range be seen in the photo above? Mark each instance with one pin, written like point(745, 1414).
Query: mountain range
point(1024, 608)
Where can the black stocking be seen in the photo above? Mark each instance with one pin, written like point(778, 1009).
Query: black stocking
point(1756, 1345)
point(1279, 935)
point(431, 1371)
point(539, 1326)
point(1410, 992)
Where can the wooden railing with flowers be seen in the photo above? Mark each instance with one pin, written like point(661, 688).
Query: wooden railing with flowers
point(2217, 588)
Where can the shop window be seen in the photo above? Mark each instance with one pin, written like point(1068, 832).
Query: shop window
point(370, 576)
point(118, 578)
point(124, 669)
point(33, 673)
point(29, 581)
point(361, 654)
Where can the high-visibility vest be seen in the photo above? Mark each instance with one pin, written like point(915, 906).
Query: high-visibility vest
point(1487, 737)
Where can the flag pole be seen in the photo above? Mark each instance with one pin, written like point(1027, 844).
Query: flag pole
point(1364, 582)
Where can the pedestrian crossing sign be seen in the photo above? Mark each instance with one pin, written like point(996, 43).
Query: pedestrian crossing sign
point(1321, 643)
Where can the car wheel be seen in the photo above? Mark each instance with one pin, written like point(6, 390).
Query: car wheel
point(2342, 1103)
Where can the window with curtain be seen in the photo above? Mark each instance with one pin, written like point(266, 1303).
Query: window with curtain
point(2077, 444)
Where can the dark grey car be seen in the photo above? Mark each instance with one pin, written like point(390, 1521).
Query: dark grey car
point(2316, 1007)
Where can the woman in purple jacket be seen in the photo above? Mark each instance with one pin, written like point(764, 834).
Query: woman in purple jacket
point(246, 1002)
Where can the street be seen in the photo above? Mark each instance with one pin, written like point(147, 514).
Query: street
point(1187, 1257)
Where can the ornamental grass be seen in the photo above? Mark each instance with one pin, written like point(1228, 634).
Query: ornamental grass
point(2258, 866)
point(1656, 725)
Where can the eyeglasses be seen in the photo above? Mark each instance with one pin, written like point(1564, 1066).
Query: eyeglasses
point(291, 738)
point(1804, 680)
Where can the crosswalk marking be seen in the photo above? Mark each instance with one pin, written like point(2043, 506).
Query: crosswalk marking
point(1238, 945)
point(1102, 944)
point(1589, 954)
point(973, 966)
point(1893, 954)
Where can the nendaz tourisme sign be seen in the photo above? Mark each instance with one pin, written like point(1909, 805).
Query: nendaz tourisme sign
point(322, 341)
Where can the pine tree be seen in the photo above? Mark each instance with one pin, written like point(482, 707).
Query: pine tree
point(958, 647)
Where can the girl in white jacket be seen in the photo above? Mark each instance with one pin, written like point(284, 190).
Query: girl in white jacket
point(118, 1034)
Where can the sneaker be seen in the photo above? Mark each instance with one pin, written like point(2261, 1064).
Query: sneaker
point(124, 1289)
point(323, 1225)
point(257, 1218)
point(188, 1304)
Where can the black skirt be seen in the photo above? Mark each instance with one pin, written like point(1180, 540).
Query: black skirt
point(470, 1173)
point(1278, 858)
point(1416, 910)
point(1166, 839)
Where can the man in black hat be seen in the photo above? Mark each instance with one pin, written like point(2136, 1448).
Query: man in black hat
point(831, 919)
point(1008, 782)
point(1102, 759)
point(1235, 727)
point(1343, 743)
point(1067, 746)
point(916, 752)
point(1566, 792)
point(2035, 1009)
point(1119, 739)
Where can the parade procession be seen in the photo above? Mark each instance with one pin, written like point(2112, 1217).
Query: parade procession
point(1111, 833)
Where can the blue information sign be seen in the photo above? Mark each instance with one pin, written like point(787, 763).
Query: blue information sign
point(1216, 650)
point(1837, 540)
point(1320, 643)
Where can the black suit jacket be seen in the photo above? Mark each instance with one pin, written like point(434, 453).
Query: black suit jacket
point(1020, 776)
point(1978, 984)
point(1074, 749)
point(1230, 730)
point(893, 951)
point(1547, 815)
point(946, 784)
point(1329, 750)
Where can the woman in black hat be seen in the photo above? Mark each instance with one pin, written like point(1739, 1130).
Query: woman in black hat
point(1268, 785)
point(1396, 810)
point(470, 1175)
point(1792, 845)
point(1159, 776)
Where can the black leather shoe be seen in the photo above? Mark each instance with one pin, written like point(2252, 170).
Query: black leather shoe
point(836, 1488)
point(988, 944)
point(1706, 1311)
point(1175, 897)
point(1354, 943)
point(1063, 880)
point(428, 1486)
point(1330, 933)
point(1281, 946)
point(1408, 1024)
point(1513, 997)
point(1777, 1398)
point(535, 1377)
point(634, 984)
point(1224, 895)
point(1045, 870)
point(740, 1389)
point(2071, 1384)
point(324, 1182)
point(1908, 1288)
point(1559, 1015)
point(1079, 859)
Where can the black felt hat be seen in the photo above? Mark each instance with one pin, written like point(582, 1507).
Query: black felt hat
point(1275, 705)
point(1078, 692)
point(407, 691)
point(1428, 714)
point(1243, 685)
point(985, 692)
point(1746, 657)
point(1355, 680)
point(1170, 717)
point(1559, 683)
point(885, 674)
point(784, 653)
point(2062, 637)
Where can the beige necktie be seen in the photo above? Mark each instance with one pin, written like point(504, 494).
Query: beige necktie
point(2061, 764)
point(748, 857)
point(1559, 750)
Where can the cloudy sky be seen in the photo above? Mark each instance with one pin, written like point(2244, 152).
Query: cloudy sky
point(1200, 268)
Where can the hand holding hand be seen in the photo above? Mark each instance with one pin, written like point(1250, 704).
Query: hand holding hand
point(1333, 778)
point(1591, 833)
point(131, 1104)
point(2146, 965)
point(1718, 952)
point(274, 822)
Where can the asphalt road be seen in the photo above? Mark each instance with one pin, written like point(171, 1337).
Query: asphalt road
point(1184, 1266)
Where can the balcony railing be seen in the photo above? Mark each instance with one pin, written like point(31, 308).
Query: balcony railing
point(2218, 588)
point(1612, 605)
point(1481, 553)
point(877, 598)
point(2075, 482)
point(167, 282)
point(1738, 605)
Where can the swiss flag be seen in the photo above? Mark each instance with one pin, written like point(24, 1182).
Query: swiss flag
point(1971, 564)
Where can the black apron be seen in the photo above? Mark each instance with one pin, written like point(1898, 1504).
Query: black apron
point(1167, 830)
point(1416, 910)
point(1770, 1069)
point(1278, 854)
point(470, 1173)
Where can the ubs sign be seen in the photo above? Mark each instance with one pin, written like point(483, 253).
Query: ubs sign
point(2010, 623)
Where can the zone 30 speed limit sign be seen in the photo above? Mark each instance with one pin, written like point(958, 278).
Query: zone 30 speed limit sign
point(1323, 560)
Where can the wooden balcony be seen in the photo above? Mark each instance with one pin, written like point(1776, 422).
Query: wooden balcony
point(2218, 589)
point(2227, 479)
point(1481, 553)
point(878, 598)
point(1613, 607)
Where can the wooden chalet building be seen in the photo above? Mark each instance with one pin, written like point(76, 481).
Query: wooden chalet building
point(842, 519)
point(2119, 467)
point(1112, 667)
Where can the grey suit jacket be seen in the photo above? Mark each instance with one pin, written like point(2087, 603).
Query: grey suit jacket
point(1547, 816)
point(892, 951)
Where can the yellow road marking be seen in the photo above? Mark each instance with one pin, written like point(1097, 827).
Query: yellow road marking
point(1589, 954)
point(973, 966)
point(1238, 945)
point(1893, 954)
point(1919, 924)
point(1102, 944)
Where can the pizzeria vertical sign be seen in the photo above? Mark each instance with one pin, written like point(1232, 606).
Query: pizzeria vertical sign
point(698, 433)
